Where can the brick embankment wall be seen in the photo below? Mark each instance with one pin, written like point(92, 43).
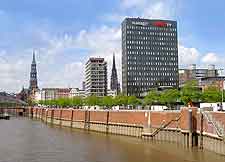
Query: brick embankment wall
point(186, 130)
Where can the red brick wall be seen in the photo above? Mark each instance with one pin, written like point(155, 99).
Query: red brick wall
point(158, 117)
point(128, 117)
point(66, 114)
point(141, 117)
point(57, 113)
point(99, 116)
point(184, 121)
point(78, 115)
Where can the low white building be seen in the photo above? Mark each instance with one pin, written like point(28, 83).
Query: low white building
point(212, 106)
point(112, 93)
point(158, 107)
point(76, 92)
point(38, 95)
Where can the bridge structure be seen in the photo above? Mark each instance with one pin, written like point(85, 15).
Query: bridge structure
point(15, 111)
point(11, 105)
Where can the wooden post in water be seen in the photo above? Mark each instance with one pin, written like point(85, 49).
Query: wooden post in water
point(201, 132)
point(107, 123)
point(60, 118)
point(89, 119)
point(71, 124)
point(52, 116)
point(85, 120)
point(46, 116)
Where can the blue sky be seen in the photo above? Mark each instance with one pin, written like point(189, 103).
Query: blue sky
point(65, 33)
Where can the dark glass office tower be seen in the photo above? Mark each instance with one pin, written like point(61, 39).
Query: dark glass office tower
point(149, 55)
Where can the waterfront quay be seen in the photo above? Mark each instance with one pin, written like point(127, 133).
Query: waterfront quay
point(188, 127)
point(29, 140)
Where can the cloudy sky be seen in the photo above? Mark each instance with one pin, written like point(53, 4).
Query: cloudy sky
point(66, 33)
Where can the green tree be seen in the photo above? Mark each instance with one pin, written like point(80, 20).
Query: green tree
point(190, 92)
point(92, 101)
point(107, 101)
point(169, 97)
point(151, 98)
point(212, 94)
point(77, 101)
point(121, 100)
point(133, 101)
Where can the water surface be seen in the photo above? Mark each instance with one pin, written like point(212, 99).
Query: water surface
point(25, 140)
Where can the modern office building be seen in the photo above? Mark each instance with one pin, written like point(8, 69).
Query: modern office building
point(96, 77)
point(194, 73)
point(149, 55)
point(114, 85)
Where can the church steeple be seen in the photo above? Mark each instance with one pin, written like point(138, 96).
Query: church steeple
point(34, 61)
point(114, 62)
point(33, 75)
point(114, 79)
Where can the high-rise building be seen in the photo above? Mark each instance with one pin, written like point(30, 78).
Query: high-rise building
point(96, 77)
point(33, 75)
point(149, 55)
point(114, 85)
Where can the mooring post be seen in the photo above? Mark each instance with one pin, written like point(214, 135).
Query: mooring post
point(71, 124)
point(85, 119)
point(89, 119)
point(60, 117)
point(201, 131)
point(107, 122)
point(52, 116)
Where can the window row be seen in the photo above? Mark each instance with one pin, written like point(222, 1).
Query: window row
point(151, 48)
point(151, 43)
point(152, 53)
point(141, 75)
point(150, 28)
point(150, 84)
point(132, 37)
point(132, 32)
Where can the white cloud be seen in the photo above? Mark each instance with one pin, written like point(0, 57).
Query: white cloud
point(159, 9)
point(188, 56)
point(211, 58)
point(103, 43)
point(132, 3)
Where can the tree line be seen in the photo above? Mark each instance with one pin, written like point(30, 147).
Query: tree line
point(190, 92)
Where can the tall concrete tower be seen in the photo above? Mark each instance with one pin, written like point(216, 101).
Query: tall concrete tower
point(33, 75)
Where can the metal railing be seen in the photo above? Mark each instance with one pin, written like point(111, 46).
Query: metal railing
point(163, 126)
point(219, 128)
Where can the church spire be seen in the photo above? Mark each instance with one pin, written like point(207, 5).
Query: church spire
point(114, 62)
point(33, 75)
point(114, 79)
point(34, 61)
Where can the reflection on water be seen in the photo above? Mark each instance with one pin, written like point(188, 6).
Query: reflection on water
point(24, 140)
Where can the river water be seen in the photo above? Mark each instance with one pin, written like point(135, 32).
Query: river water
point(25, 140)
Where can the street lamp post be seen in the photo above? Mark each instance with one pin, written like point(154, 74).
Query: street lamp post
point(222, 88)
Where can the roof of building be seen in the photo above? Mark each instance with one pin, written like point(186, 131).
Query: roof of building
point(214, 78)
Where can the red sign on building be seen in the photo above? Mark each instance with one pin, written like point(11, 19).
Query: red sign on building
point(161, 24)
